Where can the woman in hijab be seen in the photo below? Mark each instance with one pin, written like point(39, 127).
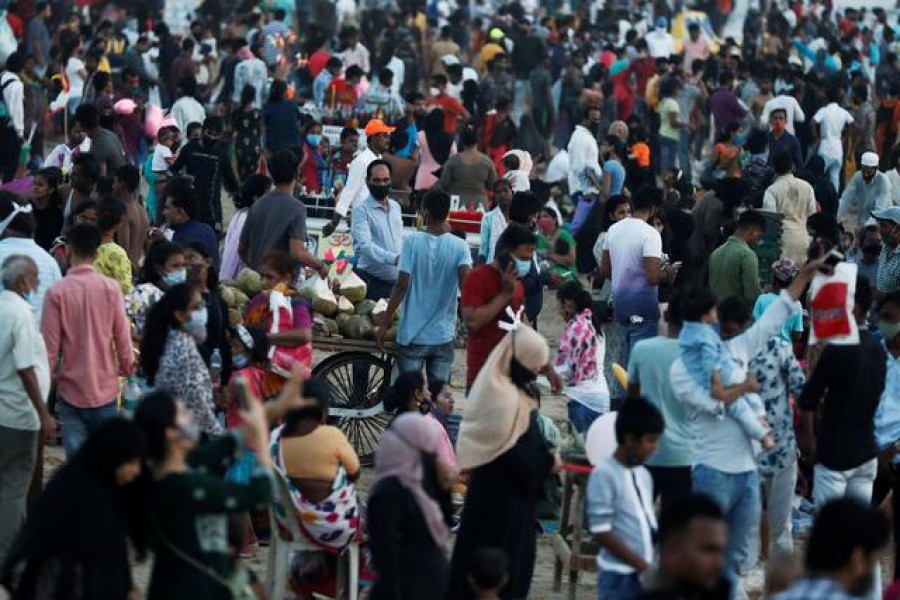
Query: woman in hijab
point(437, 146)
point(409, 512)
point(500, 443)
point(73, 545)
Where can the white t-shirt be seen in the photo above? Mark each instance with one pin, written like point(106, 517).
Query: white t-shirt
point(790, 106)
point(76, 81)
point(831, 120)
point(160, 155)
point(629, 242)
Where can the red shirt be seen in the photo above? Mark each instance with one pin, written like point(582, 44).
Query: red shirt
point(643, 69)
point(317, 61)
point(453, 110)
point(480, 287)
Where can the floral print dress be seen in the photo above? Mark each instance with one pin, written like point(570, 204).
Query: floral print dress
point(779, 375)
point(183, 372)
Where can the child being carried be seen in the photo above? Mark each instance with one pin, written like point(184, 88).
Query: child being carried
point(708, 361)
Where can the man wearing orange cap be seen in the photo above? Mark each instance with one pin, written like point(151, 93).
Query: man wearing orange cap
point(355, 190)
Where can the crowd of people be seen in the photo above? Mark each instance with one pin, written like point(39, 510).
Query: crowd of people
point(671, 194)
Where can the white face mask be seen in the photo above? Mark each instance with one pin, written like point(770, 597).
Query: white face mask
point(434, 91)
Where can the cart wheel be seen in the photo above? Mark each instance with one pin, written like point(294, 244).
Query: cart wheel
point(358, 381)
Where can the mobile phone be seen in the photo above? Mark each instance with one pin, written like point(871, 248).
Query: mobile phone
point(243, 393)
point(833, 258)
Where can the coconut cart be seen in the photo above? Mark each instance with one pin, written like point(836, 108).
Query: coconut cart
point(359, 375)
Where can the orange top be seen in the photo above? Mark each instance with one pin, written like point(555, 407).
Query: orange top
point(316, 455)
point(641, 153)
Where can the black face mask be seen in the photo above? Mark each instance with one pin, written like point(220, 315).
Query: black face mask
point(379, 192)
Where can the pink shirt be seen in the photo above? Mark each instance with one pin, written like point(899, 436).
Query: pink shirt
point(700, 49)
point(444, 450)
point(87, 337)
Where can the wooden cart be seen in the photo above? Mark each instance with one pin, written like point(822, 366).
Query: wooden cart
point(359, 374)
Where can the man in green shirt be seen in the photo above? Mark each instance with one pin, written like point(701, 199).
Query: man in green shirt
point(734, 267)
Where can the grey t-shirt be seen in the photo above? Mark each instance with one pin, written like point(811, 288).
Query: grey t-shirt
point(272, 222)
point(108, 150)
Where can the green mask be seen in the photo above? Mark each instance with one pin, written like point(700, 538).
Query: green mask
point(888, 330)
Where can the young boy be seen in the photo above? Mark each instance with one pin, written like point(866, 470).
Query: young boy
point(164, 154)
point(488, 573)
point(620, 502)
point(710, 364)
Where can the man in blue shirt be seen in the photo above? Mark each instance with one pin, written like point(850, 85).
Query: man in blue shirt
point(433, 265)
point(377, 230)
point(180, 202)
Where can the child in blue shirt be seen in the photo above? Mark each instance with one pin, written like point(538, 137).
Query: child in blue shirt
point(620, 502)
point(705, 355)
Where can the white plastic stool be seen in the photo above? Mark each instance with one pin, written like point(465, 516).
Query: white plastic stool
point(281, 549)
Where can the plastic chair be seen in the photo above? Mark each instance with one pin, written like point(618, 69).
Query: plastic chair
point(282, 516)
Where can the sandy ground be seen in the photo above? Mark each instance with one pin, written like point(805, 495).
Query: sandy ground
point(542, 587)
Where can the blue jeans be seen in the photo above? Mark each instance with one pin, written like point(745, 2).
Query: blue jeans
point(635, 332)
point(436, 358)
point(668, 154)
point(738, 495)
point(581, 416)
point(78, 423)
point(618, 586)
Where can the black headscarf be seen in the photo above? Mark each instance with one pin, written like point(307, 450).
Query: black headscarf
point(439, 142)
point(73, 545)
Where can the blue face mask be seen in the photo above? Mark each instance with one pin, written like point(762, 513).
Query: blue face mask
point(314, 139)
point(198, 319)
point(174, 278)
point(739, 139)
point(28, 296)
point(523, 267)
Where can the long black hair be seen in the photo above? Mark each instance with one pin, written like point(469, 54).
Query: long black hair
point(439, 141)
point(157, 255)
point(154, 415)
point(406, 385)
point(212, 277)
point(160, 321)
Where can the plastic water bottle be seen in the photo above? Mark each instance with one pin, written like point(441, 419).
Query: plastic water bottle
point(131, 397)
point(215, 366)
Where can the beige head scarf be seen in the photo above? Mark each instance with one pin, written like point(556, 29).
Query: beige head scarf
point(497, 411)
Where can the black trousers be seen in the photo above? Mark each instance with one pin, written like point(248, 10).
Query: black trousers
point(888, 480)
point(671, 483)
point(9, 153)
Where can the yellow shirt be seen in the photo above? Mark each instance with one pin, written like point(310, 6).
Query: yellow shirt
point(113, 261)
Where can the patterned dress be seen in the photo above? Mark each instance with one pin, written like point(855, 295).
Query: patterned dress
point(247, 141)
point(183, 372)
point(779, 375)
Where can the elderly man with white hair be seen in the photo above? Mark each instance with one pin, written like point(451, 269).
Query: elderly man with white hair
point(24, 385)
point(867, 191)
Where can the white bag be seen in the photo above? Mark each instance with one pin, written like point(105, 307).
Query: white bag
point(831, 306)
